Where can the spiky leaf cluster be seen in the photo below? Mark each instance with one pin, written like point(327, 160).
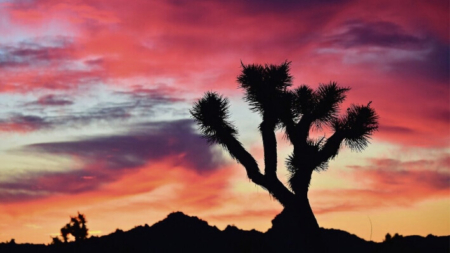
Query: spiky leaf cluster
point(211, 113)
point(328, 99)
point(321, 105)
point(303, 102)
point(265, 87)
point(357, 126)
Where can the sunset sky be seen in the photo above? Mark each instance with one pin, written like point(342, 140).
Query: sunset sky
point(95, 99)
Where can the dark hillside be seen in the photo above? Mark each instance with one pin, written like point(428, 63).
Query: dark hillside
point(338, 239)
point(182, 233)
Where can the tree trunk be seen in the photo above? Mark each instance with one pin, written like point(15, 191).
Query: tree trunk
point(295, 229)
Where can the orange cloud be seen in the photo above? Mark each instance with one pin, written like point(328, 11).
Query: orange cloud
point(132, 193)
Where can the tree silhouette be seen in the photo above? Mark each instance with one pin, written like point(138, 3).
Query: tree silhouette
point(296, 112)
point(76, 227)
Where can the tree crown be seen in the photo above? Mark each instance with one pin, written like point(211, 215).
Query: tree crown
point(267, 89)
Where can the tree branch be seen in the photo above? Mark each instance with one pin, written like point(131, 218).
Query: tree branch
point(211, 113)
point(290, 129)
point(272, 184)
point(302, 130)
point(270, 147)
point(238, 152)
point(331, 147)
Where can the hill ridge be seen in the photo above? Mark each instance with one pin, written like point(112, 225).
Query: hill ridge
point(179, 232)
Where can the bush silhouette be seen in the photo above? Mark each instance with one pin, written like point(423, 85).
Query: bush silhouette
point(296, 112)
point(56, 241)
point(387, 238)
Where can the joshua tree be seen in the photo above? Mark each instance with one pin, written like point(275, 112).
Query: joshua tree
point(76, 227)
point(296, 112)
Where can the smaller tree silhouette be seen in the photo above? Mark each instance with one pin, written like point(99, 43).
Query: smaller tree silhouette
point(76, 227)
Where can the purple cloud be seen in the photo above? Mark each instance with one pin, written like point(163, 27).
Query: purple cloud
point(107, 158)
point(277, 6)
point(51, 100)
point(382, 34)
point(45, 62)
point(23, 123)
point(434, 66)
point(396, 129)
point(41, 53)
point(162, 93)
point(432, 61)
point(136, 148)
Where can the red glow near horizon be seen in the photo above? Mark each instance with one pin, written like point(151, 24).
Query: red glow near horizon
point(95, 98)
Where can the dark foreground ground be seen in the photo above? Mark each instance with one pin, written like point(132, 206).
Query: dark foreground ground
point(182, 233)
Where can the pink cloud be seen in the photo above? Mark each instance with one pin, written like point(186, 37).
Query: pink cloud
point(201, 48)
point(388, 183)
point(393, 53)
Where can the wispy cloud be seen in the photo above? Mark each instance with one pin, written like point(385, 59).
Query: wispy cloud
point(23, 123)
point(51, 100)
point(49, 62)
point(136, 103)
point(84, 65)
point(388, 183)
point(40, 52)
point(106, 159)
point(359, 33)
